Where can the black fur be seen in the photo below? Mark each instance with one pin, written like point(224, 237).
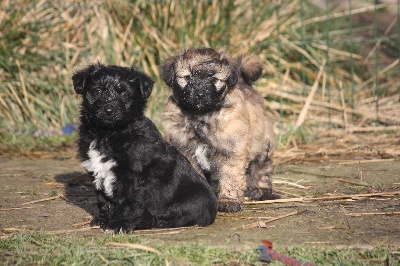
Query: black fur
point(141, 181)
point(199, 95)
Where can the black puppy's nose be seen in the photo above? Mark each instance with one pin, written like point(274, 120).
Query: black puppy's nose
point(108, 109)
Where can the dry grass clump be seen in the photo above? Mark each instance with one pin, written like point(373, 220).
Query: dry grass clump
point(315, 74)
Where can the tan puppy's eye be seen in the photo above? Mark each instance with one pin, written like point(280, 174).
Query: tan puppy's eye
point(219, 85)
point(181, 82)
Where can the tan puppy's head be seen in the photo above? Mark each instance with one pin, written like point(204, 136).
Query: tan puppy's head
point(200, 79)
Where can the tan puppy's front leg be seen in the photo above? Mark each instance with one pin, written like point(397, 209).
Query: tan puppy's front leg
point(231, 185)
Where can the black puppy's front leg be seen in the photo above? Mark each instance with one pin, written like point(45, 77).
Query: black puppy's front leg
point(128, 209)
point(106, 210)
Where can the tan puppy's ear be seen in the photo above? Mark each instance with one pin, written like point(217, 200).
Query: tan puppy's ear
point(234, 75)
point(168, 72)
point(233, 66)
point(251, 68)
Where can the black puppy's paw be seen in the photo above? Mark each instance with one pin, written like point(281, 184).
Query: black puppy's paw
point(230, 205)
point(117, 226)
point(99, 221)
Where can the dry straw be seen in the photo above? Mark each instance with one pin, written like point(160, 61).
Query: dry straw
point(306, 79)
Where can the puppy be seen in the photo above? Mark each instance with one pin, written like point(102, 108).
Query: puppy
point(219, 122)
point(141, 181)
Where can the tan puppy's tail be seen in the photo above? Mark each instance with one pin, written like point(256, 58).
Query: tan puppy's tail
point(251, 68)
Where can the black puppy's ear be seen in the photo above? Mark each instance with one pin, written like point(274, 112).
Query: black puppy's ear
point(80, 78)
point(168, 72)
point(146, 84)
point(235, 73)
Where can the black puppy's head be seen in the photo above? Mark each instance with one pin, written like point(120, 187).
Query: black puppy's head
point(112, 95)
point(200, 78)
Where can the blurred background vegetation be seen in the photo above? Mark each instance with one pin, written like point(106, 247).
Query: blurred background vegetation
point(327, 64)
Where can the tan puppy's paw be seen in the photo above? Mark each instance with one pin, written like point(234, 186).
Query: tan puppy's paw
point(230, 205)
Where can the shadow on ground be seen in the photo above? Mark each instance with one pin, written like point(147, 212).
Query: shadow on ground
point(78, 190)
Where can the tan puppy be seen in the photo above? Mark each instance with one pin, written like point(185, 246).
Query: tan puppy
point(219, 122)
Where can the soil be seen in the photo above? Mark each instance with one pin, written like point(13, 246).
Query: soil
point(69, 203)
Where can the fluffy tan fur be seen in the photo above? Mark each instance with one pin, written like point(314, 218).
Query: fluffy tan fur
point(233, 145)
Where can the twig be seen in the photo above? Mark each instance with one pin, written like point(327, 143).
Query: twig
point(137, 246)
point(372, 213)
point(134, 246)
point(367, 161)
point(314, 174)
point(22, 80)
point(369, 129)
point(275, 92)
point(301, 199)
point(64, 198)
point(280, 191)
point(276, 201)
point(360, 171)
point(310, 97)
point(288, 183)
point(222, 214)
point(168, 229)
point(388, 29)
point(256, 224)
point(331, 227)
point(339, 14)
point(336, 51)
point(11, 209)
point(299, 49)
point(103, 259)
point(176, 231)
point(371, 79)
point(55, 232)
point(41, 200)
point(13, 229)
point(80, 224)
point(318, 242)
point(353, 183)
point(343, 105)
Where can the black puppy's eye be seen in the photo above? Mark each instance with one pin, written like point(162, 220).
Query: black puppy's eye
point(124, 94)
point(93, 95)
point(97, 92)
point(119, 89)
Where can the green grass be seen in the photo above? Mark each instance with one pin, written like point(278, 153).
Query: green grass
point(46, 249)
point(28, 145)
point(299, 135)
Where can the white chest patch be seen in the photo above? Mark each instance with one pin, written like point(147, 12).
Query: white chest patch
point(201, 157)
point(104, 177)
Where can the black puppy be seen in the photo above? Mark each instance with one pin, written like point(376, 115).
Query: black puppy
point(141, 181)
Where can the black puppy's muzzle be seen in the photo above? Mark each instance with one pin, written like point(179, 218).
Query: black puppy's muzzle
point(109, 109)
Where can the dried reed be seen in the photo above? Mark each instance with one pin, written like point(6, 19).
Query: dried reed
point(44, 42)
